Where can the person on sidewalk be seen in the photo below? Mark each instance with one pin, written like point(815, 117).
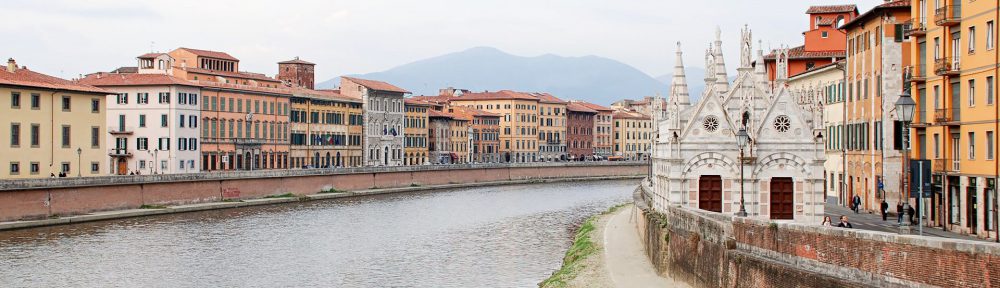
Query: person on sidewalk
point(911, 211)
point(899, 213)
point(844, 223)
point(827, 222)
point(857, 203)
point(885, 210)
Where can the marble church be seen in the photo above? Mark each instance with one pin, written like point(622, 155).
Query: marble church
point(698, 161)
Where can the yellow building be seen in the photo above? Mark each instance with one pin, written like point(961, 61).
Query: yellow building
point(52, 125)
point(633, 135)
point(518, 122)
point(873, 148)
point(954, 72)
point(321, 134)
point(415, 131)
point(551, 127)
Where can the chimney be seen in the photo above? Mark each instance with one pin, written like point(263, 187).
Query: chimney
point(11, 65)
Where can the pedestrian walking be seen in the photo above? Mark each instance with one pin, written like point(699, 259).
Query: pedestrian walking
point(844, 223)
point(885, 210)
point(899, 213)
point(857, 203)
point(911, 211)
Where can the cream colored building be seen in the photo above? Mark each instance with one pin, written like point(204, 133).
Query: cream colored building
point(826, 83)
point(51, 125)
point(632, 137)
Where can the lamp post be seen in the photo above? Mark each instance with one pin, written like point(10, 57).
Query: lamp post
point(741, 139)
point(79, 151)
point(904, 113)
point(156, 160)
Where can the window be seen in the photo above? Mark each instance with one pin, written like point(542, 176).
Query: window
point(989, 145)
point(142, 120)
point(15, 100)
point(123, 98)
point(164, 97)
point(972, 92)
point(143, 98)
point(34, 167)
point(95, 105)
point(65, 136)
point(95, 137)
point(193, 121)
point(972, 39)
point(94, 167)
point(989, 90)
point(142, 143)
point(64, 167)
point(182, 98)
point(989, 35)
point(193, 144)
point(193, 98)
point(181, 144)
point(36, 131)
point(65, 103)
point(181, 121)
point(163, 120)
point(36, 101)
point(15, 168)
point(15, 135)
point(823, 34)
point(937, 144)
point(972, 145)
point(164, 144)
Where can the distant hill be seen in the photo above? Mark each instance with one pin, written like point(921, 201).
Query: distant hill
point(591, 78)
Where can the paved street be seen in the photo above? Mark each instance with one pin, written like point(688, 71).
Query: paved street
point(874, 222)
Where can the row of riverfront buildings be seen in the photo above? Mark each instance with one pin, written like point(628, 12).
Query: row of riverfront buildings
point(193, 110)
point(822, 123)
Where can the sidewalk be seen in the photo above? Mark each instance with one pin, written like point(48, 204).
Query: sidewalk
point(625, 256)
point(874, 222)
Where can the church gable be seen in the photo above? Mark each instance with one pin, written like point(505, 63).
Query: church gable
point(785, 120)
point(708, 122)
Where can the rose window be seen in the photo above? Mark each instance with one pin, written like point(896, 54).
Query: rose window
point(782, 123)
point(711, 123)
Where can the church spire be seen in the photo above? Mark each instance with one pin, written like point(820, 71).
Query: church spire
point(721, 78)
point(760, 67)
point(678, 85)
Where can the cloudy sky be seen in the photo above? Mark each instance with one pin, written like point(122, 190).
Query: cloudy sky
point(70, 37)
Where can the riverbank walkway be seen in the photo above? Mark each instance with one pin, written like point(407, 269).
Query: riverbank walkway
point(624, 255)
point(873, 222)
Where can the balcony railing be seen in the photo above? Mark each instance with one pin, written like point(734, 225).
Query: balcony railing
point(947, 66)
point(946, 165)
point(948, 15)
point(946, 115)
point(120, 130)
point(915, 27)
point(119, 152)
point(918, 73)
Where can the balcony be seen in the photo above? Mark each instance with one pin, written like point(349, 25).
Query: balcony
point(946, 165)
point(947, 115)
point(915, 27)
point(121, 130)
point(119, 152)
point(948, 15)
point(918, 73)
point(947, 66)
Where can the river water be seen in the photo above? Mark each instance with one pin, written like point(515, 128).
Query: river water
point(504, 236)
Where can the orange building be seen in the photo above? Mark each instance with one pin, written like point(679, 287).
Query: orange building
point(485, 145)
point(825, 40)
point(245, 123)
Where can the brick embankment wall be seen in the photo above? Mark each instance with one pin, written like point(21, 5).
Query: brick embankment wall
point(708, 249)
point(29, 199)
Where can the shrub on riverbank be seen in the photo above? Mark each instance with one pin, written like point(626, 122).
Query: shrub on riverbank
point(582, 248)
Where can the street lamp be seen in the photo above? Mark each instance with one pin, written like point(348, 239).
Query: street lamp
point(742, 138)
point(78, 157)
point(904, 113)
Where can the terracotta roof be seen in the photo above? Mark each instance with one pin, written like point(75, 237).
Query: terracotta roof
point(497, 95)
point(440, 99)
point(438, 114)
point(126, 69)
point(577, 107)
point(296, 61)
point(817, 68)
point(801, 53)
point(594, 106)
point(210, 54)
point(548, 98)
point(375, 85)
point(415, 102)
point(832, 9)
point(102, 79)
point(248, 88)
point(897, 4)
point(473, 112)
point(825, 22)
point(24, 77)
point(619, 114)
point(322, 95)
point(150, 55)
point(247, 75)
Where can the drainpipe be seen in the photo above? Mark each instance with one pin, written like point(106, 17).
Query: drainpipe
point(996, 128)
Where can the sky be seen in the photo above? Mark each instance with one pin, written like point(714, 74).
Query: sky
point(67, 38)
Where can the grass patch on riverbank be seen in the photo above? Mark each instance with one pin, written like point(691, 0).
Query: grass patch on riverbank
point(286, 195)
point(147, 206)
point(331, 190)
point(582, 248)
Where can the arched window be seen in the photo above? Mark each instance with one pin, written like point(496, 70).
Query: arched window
point(840, 21)
point(818, 18)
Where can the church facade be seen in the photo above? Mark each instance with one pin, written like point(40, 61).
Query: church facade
point(697, 161)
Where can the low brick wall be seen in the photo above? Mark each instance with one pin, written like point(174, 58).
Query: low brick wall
point(709, 249)
point(29, 199)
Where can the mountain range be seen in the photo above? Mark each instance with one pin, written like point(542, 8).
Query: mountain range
point(590, 78)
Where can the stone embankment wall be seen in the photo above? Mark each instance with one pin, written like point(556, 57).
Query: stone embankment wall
point(708, 249)
point(42, 198)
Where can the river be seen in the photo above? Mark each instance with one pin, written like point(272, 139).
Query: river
point(500, 236)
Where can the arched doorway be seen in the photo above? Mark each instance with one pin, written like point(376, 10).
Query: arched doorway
point(385, 160)
point(339, 163)
point(710, 193)
point(248, 161)
point(315, 161)
point(327, 163)
point(782, 198)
